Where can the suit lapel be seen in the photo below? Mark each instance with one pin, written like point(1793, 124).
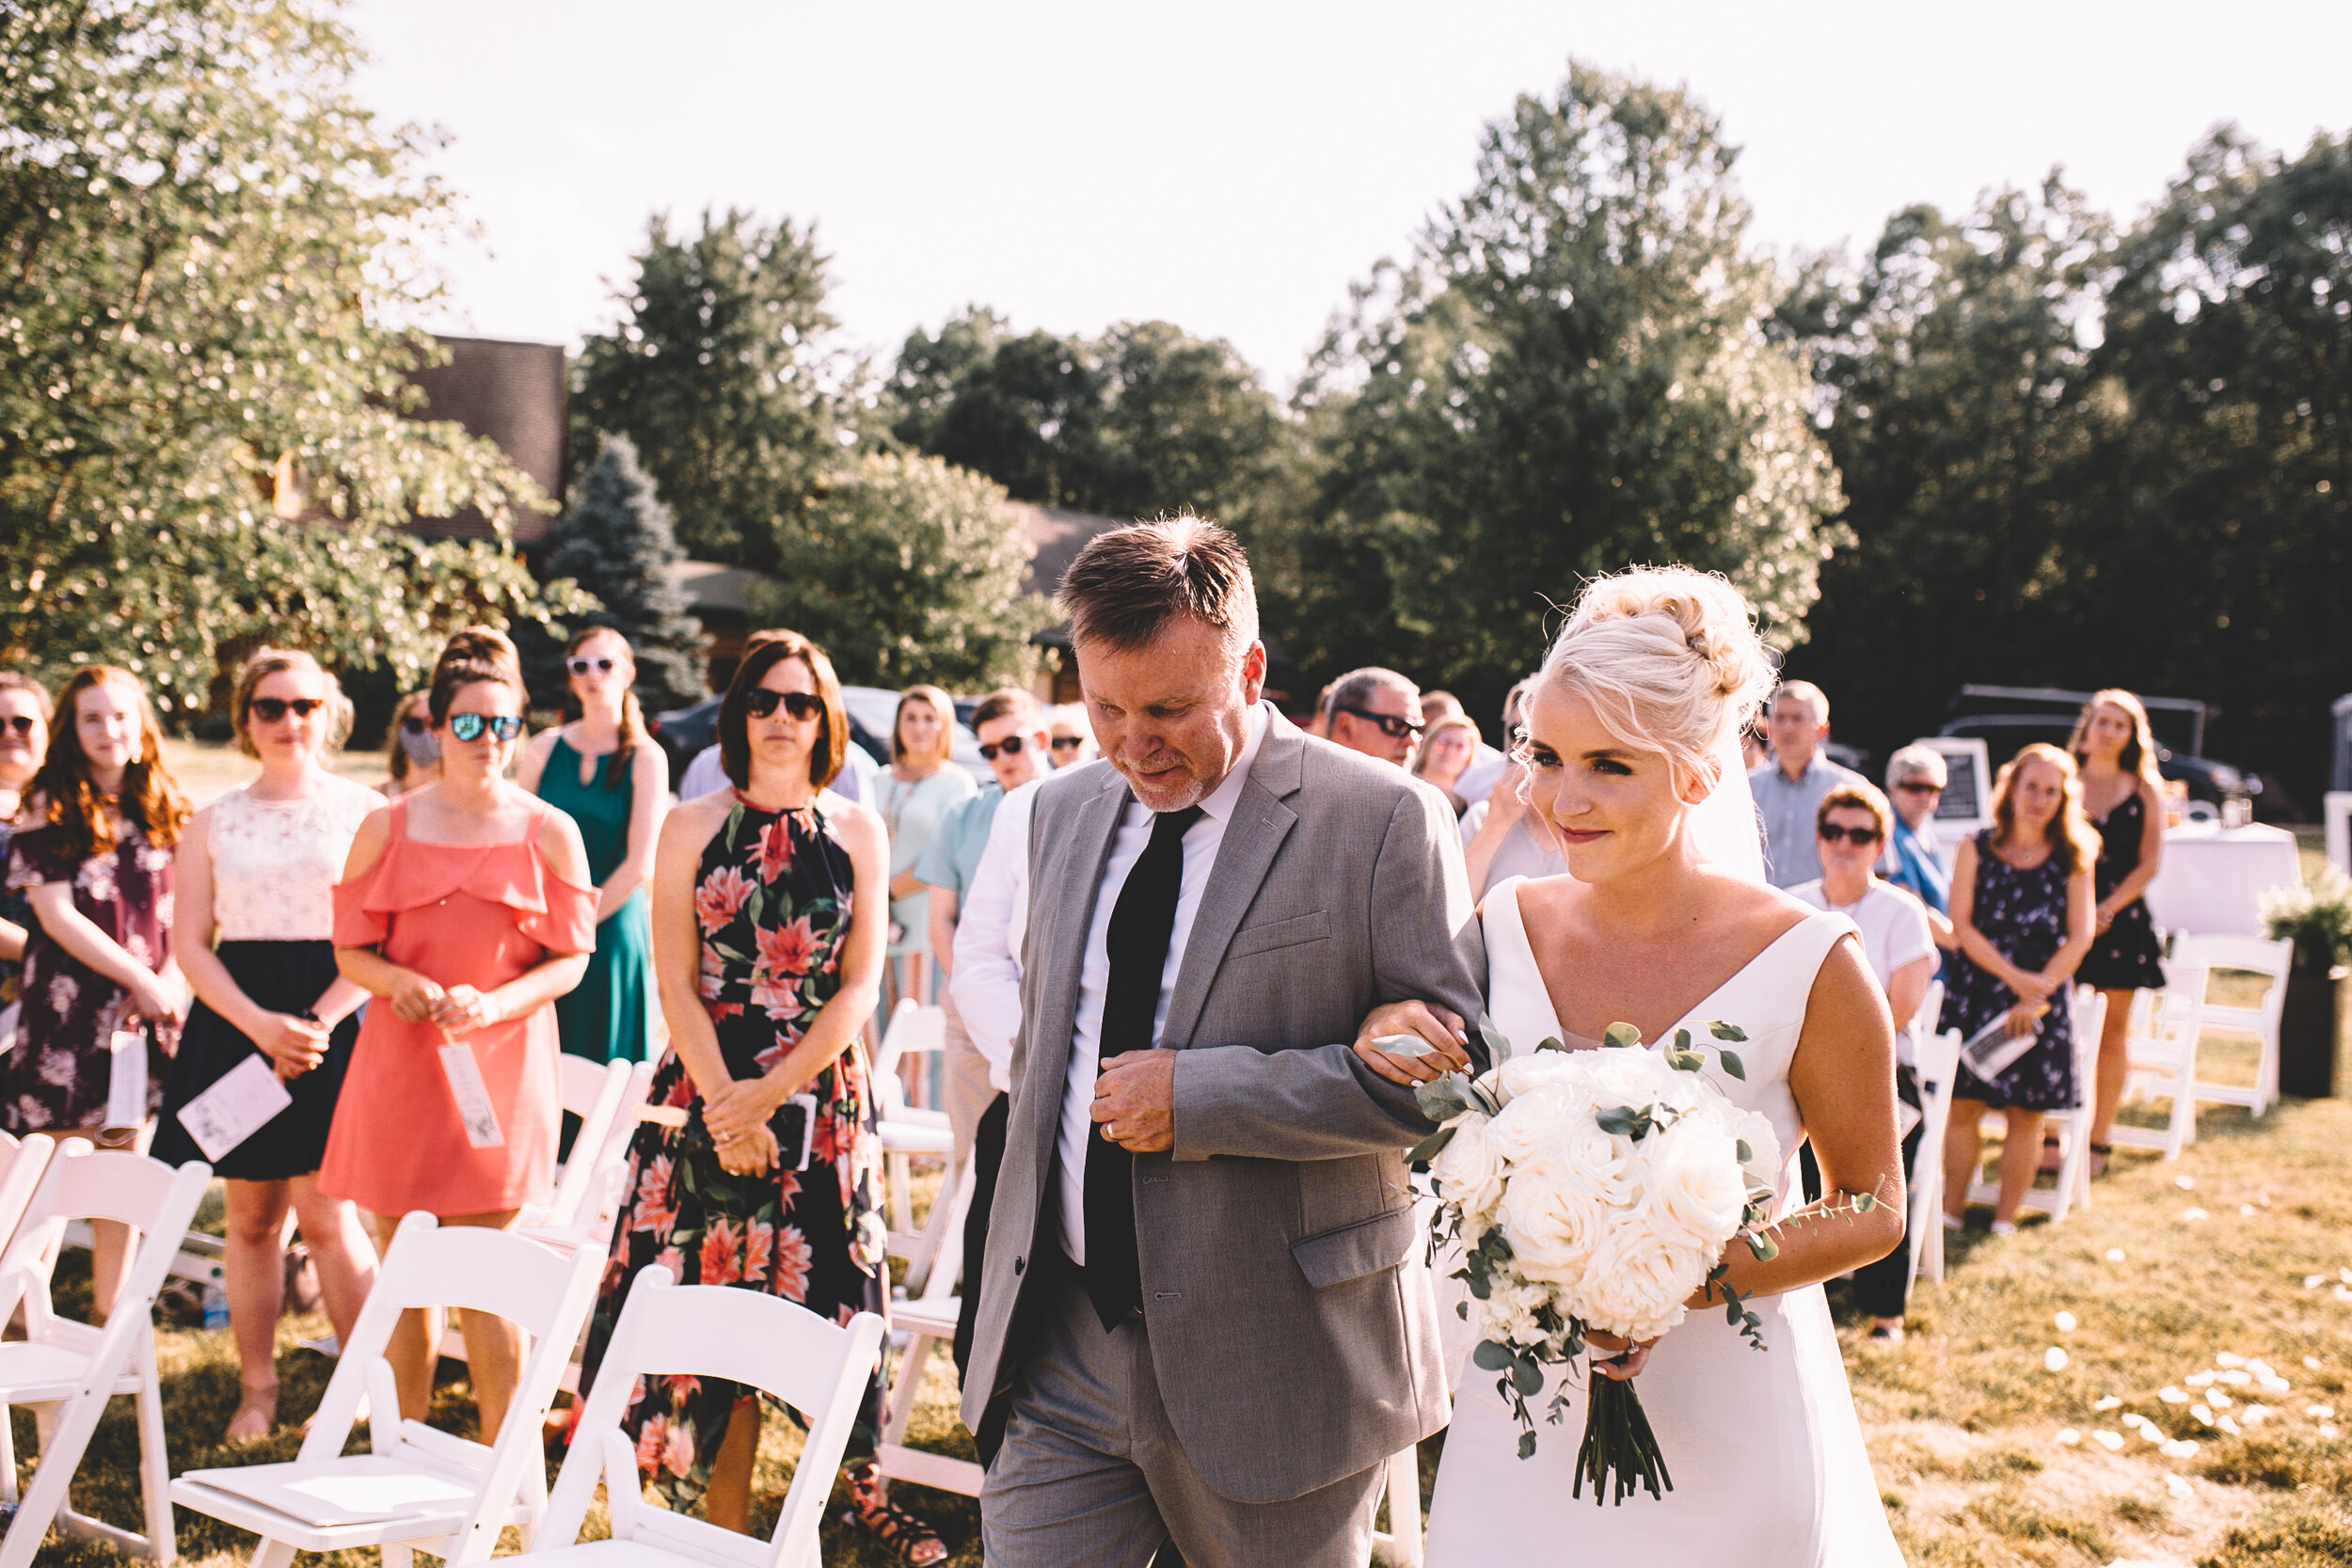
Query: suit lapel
point(1260, 822)
point(1093, 828)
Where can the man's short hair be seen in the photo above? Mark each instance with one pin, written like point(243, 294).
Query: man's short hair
point(1008, 701)
point(1441, 704)
point(1812, 696)
point(1918, 762)
point(1856, 795)
point(1129, 582)
point(1351, 689)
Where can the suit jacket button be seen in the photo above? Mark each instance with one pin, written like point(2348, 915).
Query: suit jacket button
point(1019, 1264)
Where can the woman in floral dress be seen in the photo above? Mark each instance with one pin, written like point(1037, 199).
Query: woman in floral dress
point(769, 914)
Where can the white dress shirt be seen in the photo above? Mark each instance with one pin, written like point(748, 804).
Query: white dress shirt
point(1094, 976)
point(990, 920)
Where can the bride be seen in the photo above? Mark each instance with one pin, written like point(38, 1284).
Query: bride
point(1664, 921)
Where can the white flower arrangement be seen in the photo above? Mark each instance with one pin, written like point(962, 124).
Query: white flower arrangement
point(1595, 1191)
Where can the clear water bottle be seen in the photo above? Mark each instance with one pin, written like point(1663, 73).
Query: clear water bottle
point(216, 1306)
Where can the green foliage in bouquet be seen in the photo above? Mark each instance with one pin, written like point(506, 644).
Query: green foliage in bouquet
point(2316, 916)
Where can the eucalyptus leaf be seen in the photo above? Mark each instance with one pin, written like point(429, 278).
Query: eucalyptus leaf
point(1621, 1035)
point(1527, 1445)
point(1865, 1202)
point(1764, 1248)
point(1426, 1151)
point(1498, 1047)
point(1492, 1357)
point(1526, 1376)
point(1443, 1099)
point(1403, 1045)
point(1550, 1042)
point(1742, 1150)
point(1682, 1039)
point(1625, 1120)
point(1731, 1065)
point(1728, 1031)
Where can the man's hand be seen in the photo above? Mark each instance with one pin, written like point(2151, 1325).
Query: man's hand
point(1134, 1100)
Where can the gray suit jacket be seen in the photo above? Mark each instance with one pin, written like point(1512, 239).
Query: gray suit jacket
point(1291, 1346)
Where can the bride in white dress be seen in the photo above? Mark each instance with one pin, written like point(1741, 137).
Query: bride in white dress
point(1664, 921)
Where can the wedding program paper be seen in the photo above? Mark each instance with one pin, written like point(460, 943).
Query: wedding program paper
point(473, 1095)
point(126, 1079)
point(239, 1104)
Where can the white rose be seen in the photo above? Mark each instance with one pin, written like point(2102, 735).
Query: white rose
point(1639, 1278)
point(1468, 1173)
point(1522, 1073)
point(1695, 1187)
point(1628, 1077)
point(1552, 1215)
point(1530, 1123)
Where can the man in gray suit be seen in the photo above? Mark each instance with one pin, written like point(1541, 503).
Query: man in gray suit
point(1196, 1324)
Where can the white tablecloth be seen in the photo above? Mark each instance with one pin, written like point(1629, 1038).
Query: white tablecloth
point(2211, 876)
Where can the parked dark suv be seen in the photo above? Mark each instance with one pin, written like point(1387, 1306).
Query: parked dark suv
point(2008, 718)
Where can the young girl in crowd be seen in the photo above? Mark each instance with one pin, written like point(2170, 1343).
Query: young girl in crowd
point(604, 771)
point(465, 911)
point(256, 872)
point(93, 858)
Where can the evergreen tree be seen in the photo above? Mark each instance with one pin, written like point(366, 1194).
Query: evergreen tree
point(616, 543)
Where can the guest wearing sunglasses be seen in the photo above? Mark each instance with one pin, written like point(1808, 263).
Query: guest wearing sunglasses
point(1916, 776)
point(708, 771)
point(254, 914)
point(920, 790)
point(413, 752)
point(1376, 712)
point(1072, 736)
point(467, 909)
point(24, 740)
point(1850, 828)
point(603, 769)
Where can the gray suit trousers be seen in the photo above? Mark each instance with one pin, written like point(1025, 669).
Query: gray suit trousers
point(1092, 1475)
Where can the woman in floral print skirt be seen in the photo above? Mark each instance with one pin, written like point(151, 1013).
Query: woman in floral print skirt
point(769, 921)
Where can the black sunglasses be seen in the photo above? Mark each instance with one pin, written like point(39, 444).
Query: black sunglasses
point(1392, 725)
point(271, 709)
point(23, 724)
point(1919, 786)
point(1011, 746)
point(581, 666)
point(1065, 743)
point(804, 705)
point(469, 726)
point(1830, 833)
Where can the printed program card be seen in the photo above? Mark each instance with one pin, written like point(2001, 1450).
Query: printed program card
point(239, 1104)
point(126, 1079)
point(473, 1095)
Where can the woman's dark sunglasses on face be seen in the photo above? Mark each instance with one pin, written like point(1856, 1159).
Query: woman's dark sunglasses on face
point(469, 726)
point(1830, 833)
point(271, 709)
point(1066, 743)
point(581, 666)
point(802, 705)
point(21, 722)
point(414, 726)
point(1011, 746)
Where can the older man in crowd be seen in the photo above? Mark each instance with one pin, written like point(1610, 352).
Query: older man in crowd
point(1915, 777)
point(1788, 788)
point(1376, 712)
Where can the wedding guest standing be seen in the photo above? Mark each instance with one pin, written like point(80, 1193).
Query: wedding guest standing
point(917, 791)
point(24, 739)
point(1789, 789)
point(1853, 822)
point(92, 854)
point(1447, 746)
point(412, 754)
point(2123, 796)
point(1073, 737)
point(1916, 776)
point(603, 770)
point(2022, 909)
point(768, 902)
point(466, 909)
point(255, 879)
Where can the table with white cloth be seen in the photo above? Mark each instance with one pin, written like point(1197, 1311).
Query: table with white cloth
point(2212, 878)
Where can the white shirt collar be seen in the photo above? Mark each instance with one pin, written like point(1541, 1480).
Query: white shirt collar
point(1219, 802)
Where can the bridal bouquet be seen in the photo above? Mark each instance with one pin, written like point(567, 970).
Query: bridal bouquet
point(1595, 1191)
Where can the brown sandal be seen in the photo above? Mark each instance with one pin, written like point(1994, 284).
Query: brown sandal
point(906, 1534)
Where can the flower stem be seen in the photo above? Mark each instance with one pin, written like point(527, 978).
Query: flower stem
point(1619, 1452)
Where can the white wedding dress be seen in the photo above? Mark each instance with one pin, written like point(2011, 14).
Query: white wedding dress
point(1763, 1447)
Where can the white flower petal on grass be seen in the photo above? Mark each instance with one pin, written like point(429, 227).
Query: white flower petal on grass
point(2202, 1414)
point(2257, 1414)
point(2203, 1379)
point(2313, 1281)
point(2312, 1363)
point(2320, 1412)
point(2343, 1293)
point(2237, 1378)
point(2344, 1275)
point(2115, 1254)
point(2069, 1438)
point(2229, 1358)
point(2180, 1448)
point(2170, 1395)
point(2246, 1210)
point(2111, 1441)
point(2272, 1384)
point(2228, 1424)
point(2191, 1215)
point(2327, 1430)
point(2179, 1488)
point(2067, 1322)
point(2054, 1359)
point(2186, 1183)
point(2150, 1432)
point(2107, 1402)
point(2216, 1398)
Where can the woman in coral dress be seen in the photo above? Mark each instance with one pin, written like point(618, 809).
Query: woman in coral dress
point(467, 911)
point(769, 906)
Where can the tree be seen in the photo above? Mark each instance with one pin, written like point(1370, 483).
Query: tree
point(1570, 374)
point(906, 569)
point(615, 543)
point(201, 235)
point(725, 372)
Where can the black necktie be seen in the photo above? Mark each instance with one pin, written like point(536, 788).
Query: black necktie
point(1141, 924)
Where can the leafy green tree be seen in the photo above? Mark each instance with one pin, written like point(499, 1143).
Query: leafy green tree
point(1570, 374)
point(202, 233)
point(906, 569)
point(615, 543)
point(1952, 364)
point(726, 373)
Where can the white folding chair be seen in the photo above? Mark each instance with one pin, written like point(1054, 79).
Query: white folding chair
point(1936, 1058)
point(1401, 1543)
point(420, 1489)
point(911, 1132)
point(2073, 1123)
point(66, 1370)
point(712, 1331)
point(606, 1098)
point(2269, 959)
point(928, 1321)
point(2161, 1044)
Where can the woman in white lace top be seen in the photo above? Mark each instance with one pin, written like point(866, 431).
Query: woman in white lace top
point(256, 874)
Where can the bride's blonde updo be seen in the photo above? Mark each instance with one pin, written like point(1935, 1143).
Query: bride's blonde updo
point(1669, 659)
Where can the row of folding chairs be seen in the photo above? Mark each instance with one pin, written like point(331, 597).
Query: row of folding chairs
point(2168, 1025)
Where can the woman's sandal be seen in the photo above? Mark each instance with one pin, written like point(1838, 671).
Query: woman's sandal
point(906, 1534)
point(2100, 1157)
point(2053, 1154)
point(256, 1415)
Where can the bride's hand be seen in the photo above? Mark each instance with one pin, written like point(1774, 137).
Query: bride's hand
point(1438, 1030)
point(1625, 1358)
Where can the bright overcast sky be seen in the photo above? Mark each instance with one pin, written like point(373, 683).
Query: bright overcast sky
point(1231, 168)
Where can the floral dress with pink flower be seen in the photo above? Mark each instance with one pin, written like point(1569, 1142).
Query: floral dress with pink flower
point(773, 900)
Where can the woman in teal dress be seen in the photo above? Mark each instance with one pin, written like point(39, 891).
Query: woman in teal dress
point(603, 769)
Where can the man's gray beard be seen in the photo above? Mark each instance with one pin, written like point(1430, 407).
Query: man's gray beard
point(1199, 793)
